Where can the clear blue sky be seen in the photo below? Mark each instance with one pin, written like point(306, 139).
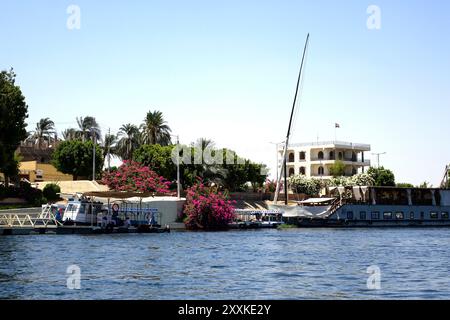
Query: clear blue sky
point(227, 71)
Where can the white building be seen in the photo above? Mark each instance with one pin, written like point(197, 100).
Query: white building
point(314, 159)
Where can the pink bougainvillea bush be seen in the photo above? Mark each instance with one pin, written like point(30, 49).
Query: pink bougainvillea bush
point(133, 176)
point(207, 208)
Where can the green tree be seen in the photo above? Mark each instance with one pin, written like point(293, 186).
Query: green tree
point(382, 177)
point(70, 134)
point(129, 141)
point(337, 169)
point(241, 172)
point(13, 112)
point(155, 129)
point(425, 185)
point(158, 158)
point(88, 128)
point(51, 192)
point(75, 157)
point(44, 128)
point(404, 185)
point(109, 147)
point(301, 184)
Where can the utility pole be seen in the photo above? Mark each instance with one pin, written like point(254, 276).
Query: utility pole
point(93, 154)
point(109, 149)
point(178, 169)
point(378, 157)
point(178, 166)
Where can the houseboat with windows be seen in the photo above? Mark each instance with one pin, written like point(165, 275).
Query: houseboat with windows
point(373, 207)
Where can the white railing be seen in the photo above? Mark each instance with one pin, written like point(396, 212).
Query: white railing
point(365, 163)
point(44, 219)
point(340, 143)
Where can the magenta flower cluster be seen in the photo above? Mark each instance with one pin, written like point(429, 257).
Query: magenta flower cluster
point(207, 208)
point(135, 177)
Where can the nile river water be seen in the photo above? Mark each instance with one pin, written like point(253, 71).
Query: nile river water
point(260, 264)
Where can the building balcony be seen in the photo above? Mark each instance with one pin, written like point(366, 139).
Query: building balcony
point(349, 161)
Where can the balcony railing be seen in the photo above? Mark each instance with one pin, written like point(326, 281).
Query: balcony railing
point(365, 162)
point(340, 143)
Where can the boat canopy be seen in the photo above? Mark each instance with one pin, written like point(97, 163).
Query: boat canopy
point(119, 194)
point(316, 200)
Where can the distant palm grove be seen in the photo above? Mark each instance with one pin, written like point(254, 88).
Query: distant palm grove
point(150, 144)
point(84, 148)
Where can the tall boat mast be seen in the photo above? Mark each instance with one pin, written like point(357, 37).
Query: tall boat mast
point(286, 142)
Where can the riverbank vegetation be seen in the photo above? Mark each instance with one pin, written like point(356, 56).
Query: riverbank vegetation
point(207, 208)
point(13, 112)
point(134, 177)
point(23, 190)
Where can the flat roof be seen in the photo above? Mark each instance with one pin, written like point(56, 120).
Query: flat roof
point(343, 144)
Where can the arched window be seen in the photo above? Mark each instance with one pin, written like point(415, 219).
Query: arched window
point(320, 155)
point(291, 157)
point(302, 170)
point(320, 171)
point(340, 156)
point(302, 155)
point(331, 155)
point(291, 172)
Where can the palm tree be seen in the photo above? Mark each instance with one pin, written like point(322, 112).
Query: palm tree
point(109, 147)
point(70, 134)
point(212, 173)
point(88, 128)
point(129, 141)
point(155, 130)
point(204, 143)
point(43, 130)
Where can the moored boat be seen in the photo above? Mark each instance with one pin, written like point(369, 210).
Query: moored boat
point(124, 214)
point(374, 207)
point(256, 219)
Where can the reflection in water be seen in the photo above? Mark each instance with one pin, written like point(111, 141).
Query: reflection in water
point(262, 264)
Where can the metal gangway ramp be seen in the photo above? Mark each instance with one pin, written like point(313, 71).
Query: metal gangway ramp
point(25, 223)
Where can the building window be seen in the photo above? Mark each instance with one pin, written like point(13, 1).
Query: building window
point(399, 215)
point(387, 215)
point(354, 171)
point(362, 215)
point(302, 155)
point(412, 216)
point(350, 215)
point(331, 155)
point(302, 170)
point(320, 155)
point(354, 157)
point(320, 171)
point(340, 156)
point(291, 172)
point(375, 215)
point(434, 215)
point(291, 157)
